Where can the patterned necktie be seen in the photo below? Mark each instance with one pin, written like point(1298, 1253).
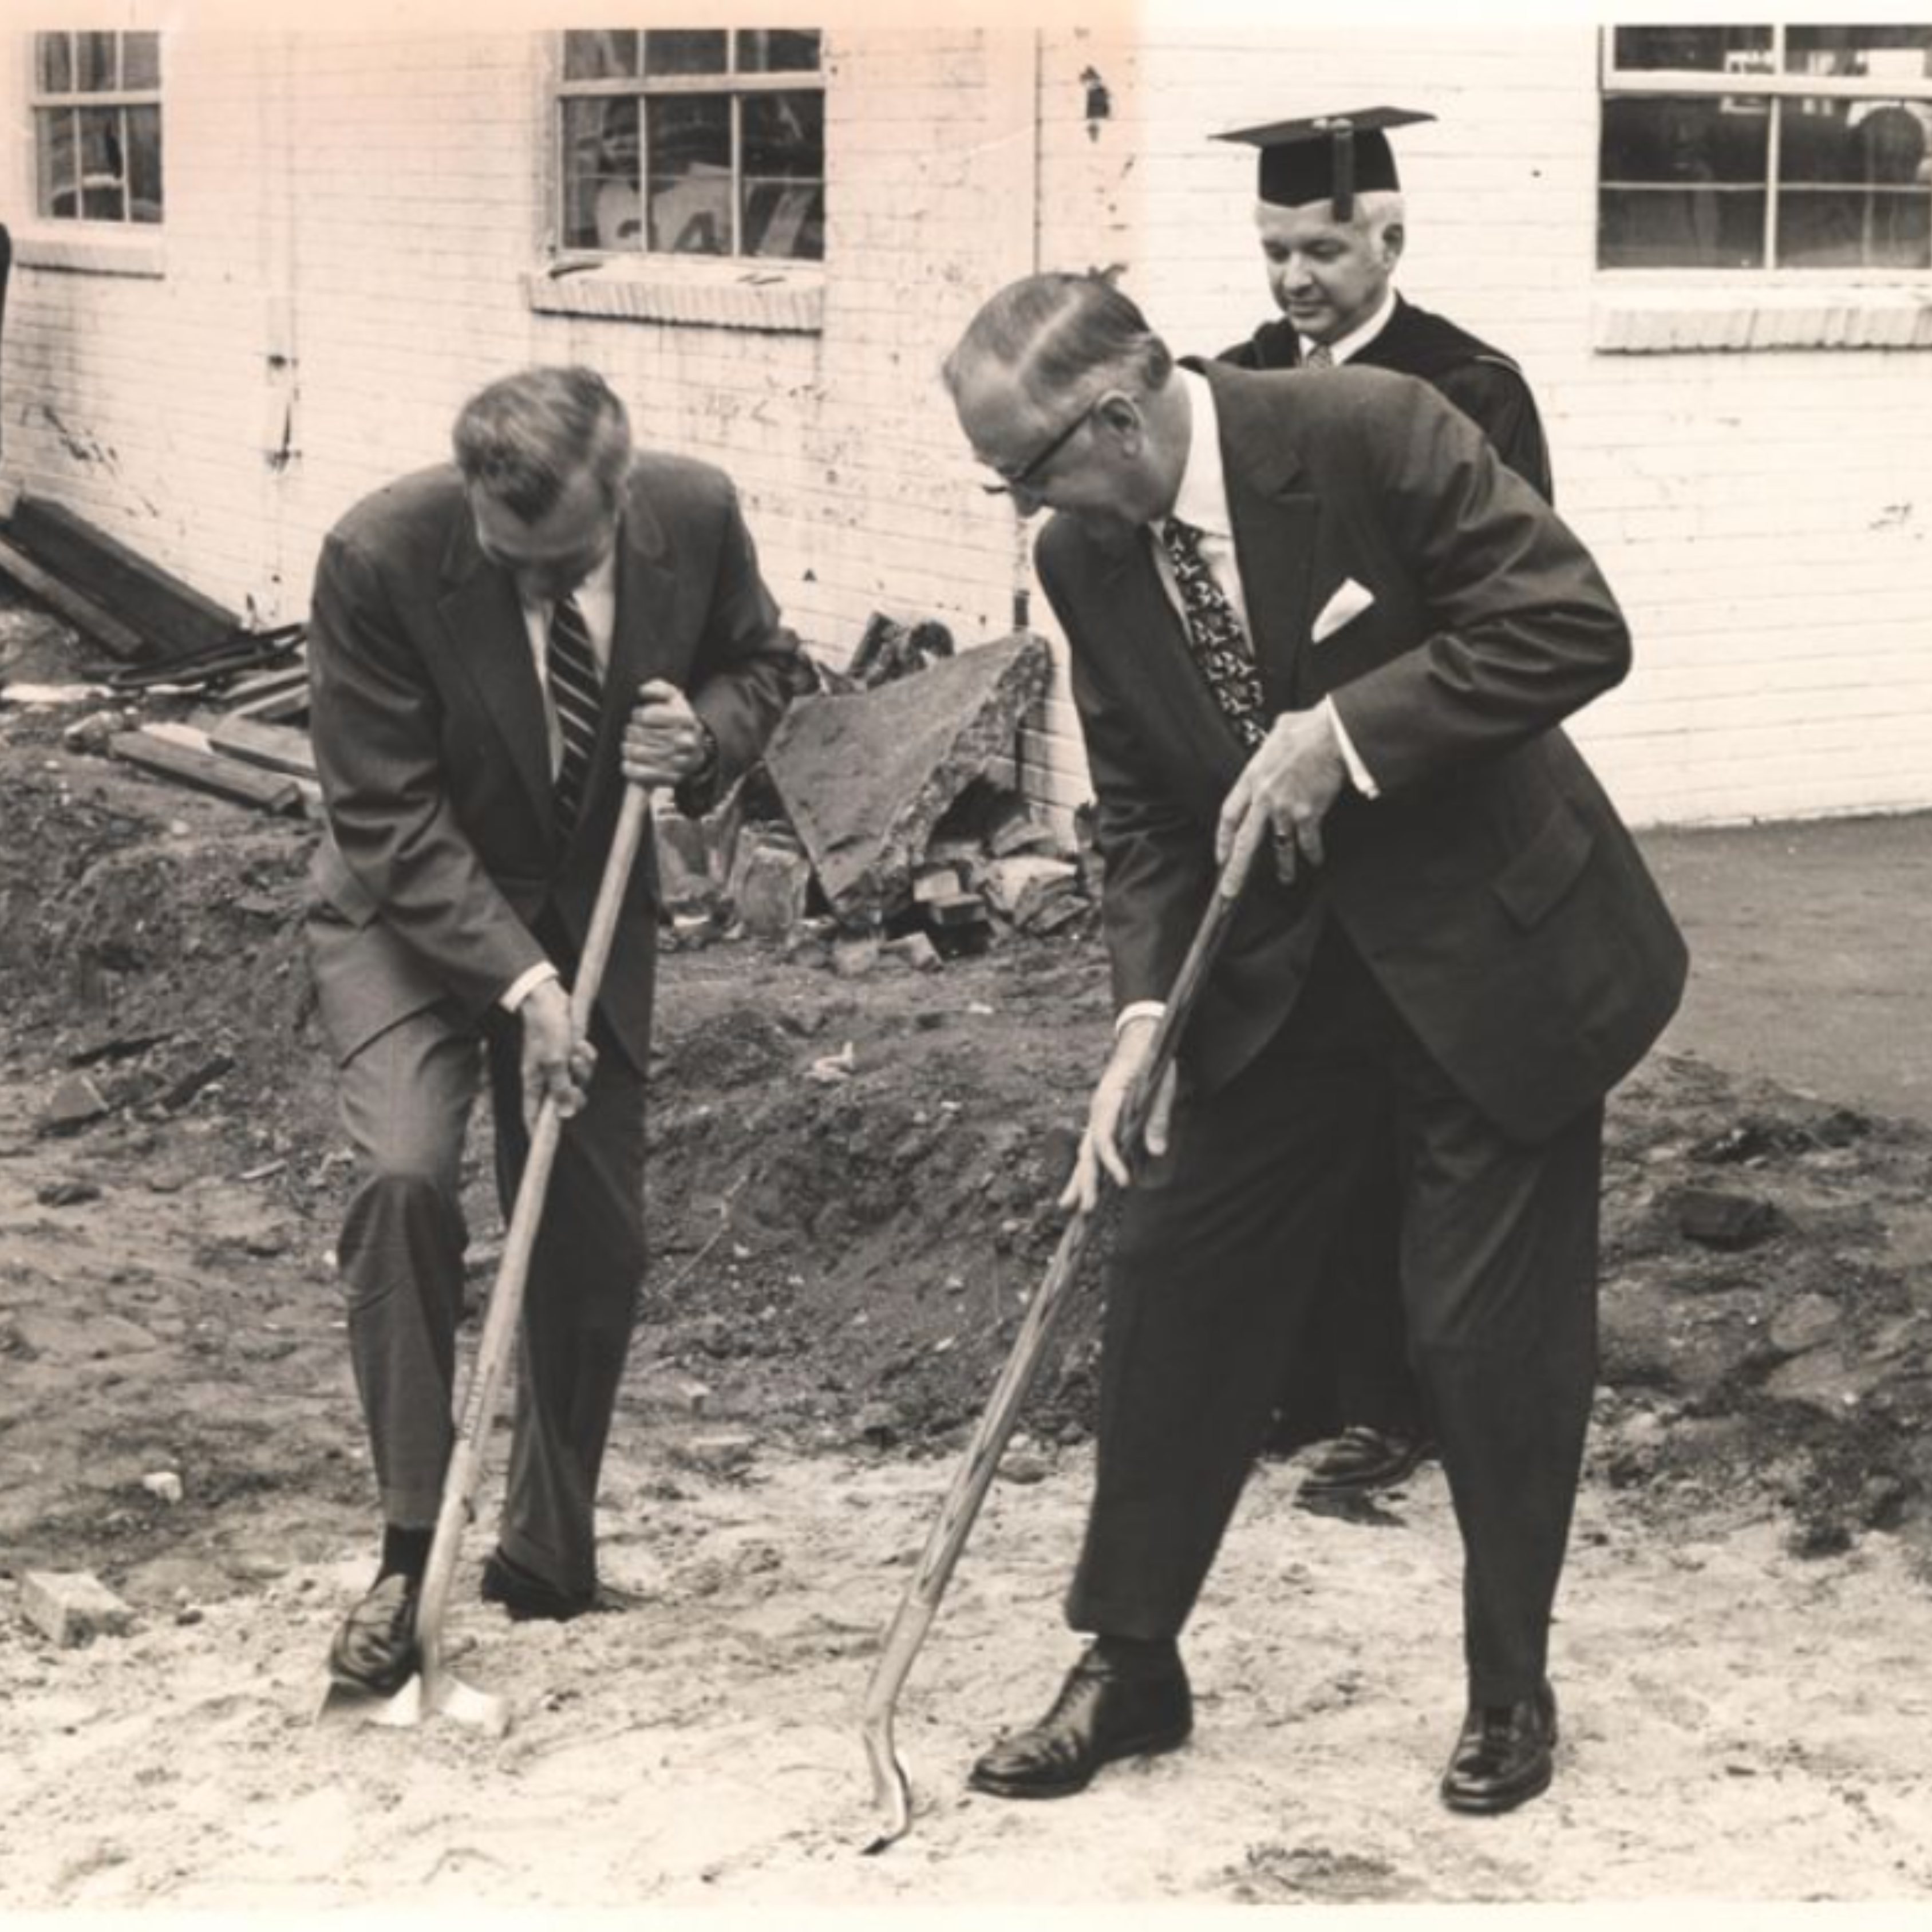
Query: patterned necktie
point(1320, 356)
point(576, 690)
point(1220, 647)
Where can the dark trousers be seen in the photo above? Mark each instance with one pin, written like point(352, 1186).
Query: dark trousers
point(407, 1097)
point(1220, 1252)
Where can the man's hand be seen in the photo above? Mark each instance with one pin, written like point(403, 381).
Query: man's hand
point(1294, 779)
point(1099, 1145)
point(665, 741)
point(557, 1062)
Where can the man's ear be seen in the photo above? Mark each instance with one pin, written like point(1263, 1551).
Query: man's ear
point(1393, 237)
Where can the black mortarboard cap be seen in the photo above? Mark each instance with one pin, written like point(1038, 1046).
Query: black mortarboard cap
point(1326, 157)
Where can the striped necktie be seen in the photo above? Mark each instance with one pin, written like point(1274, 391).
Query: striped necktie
point(1220, 646)
point(576, 690)
point(1320, 356)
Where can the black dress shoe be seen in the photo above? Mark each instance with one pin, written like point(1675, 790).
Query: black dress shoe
point(1505, 1755)
point(1104, 1712)
point(375, 1650)
point(529, 1598)
point(1361, 1460)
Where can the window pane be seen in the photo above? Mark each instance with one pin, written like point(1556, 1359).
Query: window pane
point(1855, 183)
point(144, 164)
point(140, 60)
point(55, 128)
point(785, 218)
point(1692, 49)
point(689, 174)
point(1683, 183)
point(1685, 139)
point(102, 168)
point(97, 69)
point(773, 50)
point(1876, 53)
point(602, 208)
point(697, 51)
point(1679, 228)
point(601, 56)
point(55, 62)
point(784, 135)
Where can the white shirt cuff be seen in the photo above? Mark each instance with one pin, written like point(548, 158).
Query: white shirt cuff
point(1138, 1009)
point(1359, 775)
point(520, 989)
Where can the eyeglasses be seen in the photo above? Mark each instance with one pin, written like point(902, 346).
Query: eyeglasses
point(1021, 478)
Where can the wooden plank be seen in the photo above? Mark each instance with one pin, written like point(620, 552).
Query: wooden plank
point(175, 616)
point(245, 784)
point(273, 747)
point(82, 613)
point(277, 697)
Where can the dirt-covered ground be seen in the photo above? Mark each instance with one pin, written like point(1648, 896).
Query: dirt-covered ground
point(843, 1251)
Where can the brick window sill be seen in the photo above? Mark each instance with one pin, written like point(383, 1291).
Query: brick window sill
point(787, 298)
point(92, 251)
point(1657, 321)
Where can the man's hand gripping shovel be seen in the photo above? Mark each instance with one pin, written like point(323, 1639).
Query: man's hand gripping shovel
point(892, 1789)
point(435, 1690)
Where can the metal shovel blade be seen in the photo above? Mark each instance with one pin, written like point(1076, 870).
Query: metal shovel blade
point(891, 1790)
point(482, 1711)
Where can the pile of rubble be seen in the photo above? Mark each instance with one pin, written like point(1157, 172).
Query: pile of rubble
point(887, 816)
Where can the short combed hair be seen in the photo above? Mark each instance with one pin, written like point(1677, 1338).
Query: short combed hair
point(524, 438)
point(1055, 332)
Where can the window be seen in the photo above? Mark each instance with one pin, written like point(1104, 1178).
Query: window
point(1766, 147)
point(703, 141)
point(97, 106)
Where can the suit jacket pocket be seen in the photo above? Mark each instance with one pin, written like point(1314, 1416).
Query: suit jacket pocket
point(335, 886)
point(1534, 883)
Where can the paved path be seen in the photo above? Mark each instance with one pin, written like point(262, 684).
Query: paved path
point(1811, 948)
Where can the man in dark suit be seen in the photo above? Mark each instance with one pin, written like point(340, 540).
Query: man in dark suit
point(1328, 602)
point(1329, 214)
point(498, 646)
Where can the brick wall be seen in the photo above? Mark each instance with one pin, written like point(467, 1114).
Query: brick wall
point(355, 220)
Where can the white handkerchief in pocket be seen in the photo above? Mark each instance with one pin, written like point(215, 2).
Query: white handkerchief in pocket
point(1344, 608)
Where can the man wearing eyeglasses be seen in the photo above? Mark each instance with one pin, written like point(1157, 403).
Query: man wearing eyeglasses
point(1327, 602)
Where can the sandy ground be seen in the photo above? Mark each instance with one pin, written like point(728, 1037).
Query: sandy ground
point(1738, 1722)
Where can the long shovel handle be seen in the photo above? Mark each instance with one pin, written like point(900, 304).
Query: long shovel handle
point(506, 1296)
point(892, 1791)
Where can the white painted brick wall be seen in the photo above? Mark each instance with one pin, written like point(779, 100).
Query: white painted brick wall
point(1763, 515)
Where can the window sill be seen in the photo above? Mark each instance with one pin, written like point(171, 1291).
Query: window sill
point(1659, 321)
point(91, 251)
point(776, 296)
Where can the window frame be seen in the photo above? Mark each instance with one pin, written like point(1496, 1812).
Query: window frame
point(737, 84)
point(1773, 85)
point(74, 99)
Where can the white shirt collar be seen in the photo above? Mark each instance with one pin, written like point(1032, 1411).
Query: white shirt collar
point(1357, 340)
point(1202, 499)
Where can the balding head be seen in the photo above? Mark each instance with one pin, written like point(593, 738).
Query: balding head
point(1066, 392)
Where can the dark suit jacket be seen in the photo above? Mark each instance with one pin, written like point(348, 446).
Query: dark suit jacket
point(1491, 888)
point(1481, 381)
point(441, 855)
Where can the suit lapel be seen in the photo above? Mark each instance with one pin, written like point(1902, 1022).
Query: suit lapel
point(487, 638)
point(1151, 633)
point(1275, 521)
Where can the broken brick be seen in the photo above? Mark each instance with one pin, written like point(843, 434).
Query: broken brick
point(73, 1607)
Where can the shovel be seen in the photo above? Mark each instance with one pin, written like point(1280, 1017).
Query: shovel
point(435, 1691)
point(892, 1789)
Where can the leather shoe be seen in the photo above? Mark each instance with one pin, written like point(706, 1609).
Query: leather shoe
point(1362, 1459)
point(529, 1598)
point(1103, 1712)
point(1504, 1756)
point(375, 1649)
